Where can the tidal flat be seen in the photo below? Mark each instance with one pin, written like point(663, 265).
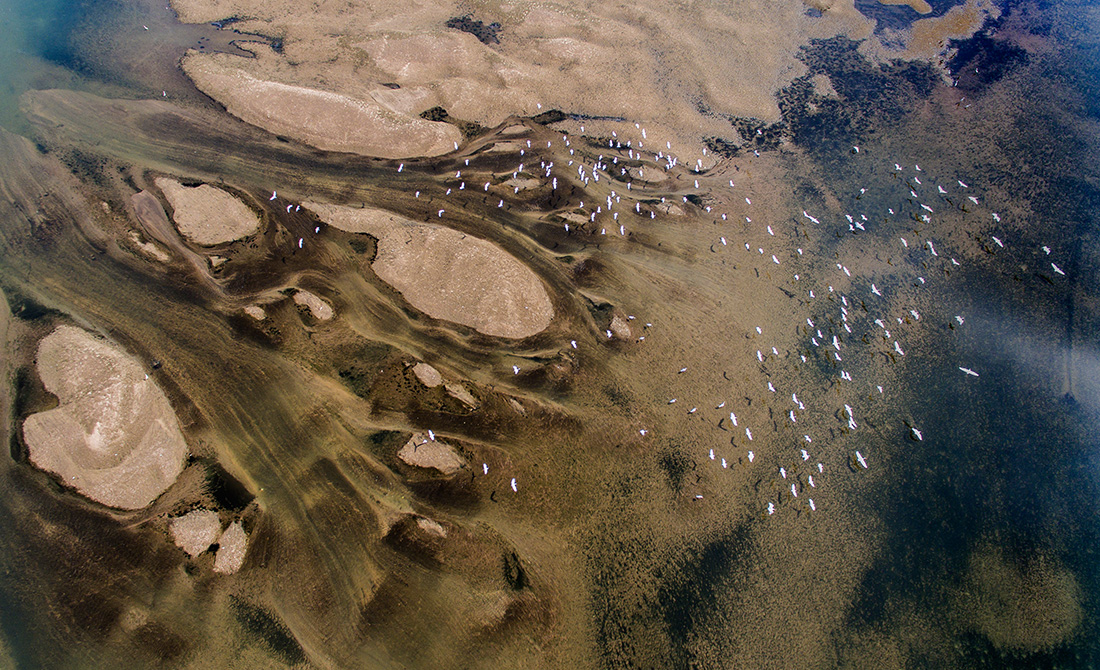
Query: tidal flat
point(690, 336)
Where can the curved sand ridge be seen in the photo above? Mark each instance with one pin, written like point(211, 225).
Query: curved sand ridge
point(450, 275)
point(114, 436)
point(325, 120)
point(207, 215)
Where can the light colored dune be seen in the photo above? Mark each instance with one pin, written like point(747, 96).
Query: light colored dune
point(323, 119)
point(207, 215)
point(114, 436)
point(450, 275)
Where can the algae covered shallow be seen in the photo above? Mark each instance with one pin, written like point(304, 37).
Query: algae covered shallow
point(731, 336)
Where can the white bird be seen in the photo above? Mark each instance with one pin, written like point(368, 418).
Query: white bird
point(917, 434)
point(805, 454)
point(748, 434)
point(1057, 269)
point(274, 195)
point(874, 289)
point(813, 508)
point(514, 489)
point(783, 473)
point(794, 490)
point(642, 432)
point(733, 417)
point(961, 183)
point(515, 369)
point(751, 456)
point(862, 461)
point(771, 508)
point(996, 217)
point(998, 241)
point(485, 468)
point(1046, 249)
point(712, 454)
point(960, 320)
point(897, 348)
point(810, 479)
point(969, 372)
point(431, 435)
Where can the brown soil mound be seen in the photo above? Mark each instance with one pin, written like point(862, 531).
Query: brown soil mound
point(114, 436)
point(450, 275)
point(207, 215)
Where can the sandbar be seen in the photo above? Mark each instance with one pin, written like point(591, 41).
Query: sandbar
point(450, 275)
point(207, 215)
point(323, 119)
point(114, 437)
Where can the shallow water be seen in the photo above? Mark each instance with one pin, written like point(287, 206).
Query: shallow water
point(970, 545)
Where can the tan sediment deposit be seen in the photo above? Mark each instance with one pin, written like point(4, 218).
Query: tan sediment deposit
point(114, 436)
point(256, 312)
point(324, 119)
point(427, 375)
point(232, 546)
point(207, 215)
point(195, 531)
point(423, 452)
point(320, 309)
point(450, 275)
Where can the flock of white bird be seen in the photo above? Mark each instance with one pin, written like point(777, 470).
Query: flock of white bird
point(852, 319)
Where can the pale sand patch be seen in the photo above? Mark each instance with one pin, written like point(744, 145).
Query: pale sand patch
point(320, 309)
point(621, 329)
point(919, 6)
point(149, 248)
point(114, 436)
point(207, 215)
point(195, 531)
point(323, 119)
point(427, 375)
point(231, 549)
point(431, 527)
point(256, 312)
point(450, 275)
point(423, 452)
